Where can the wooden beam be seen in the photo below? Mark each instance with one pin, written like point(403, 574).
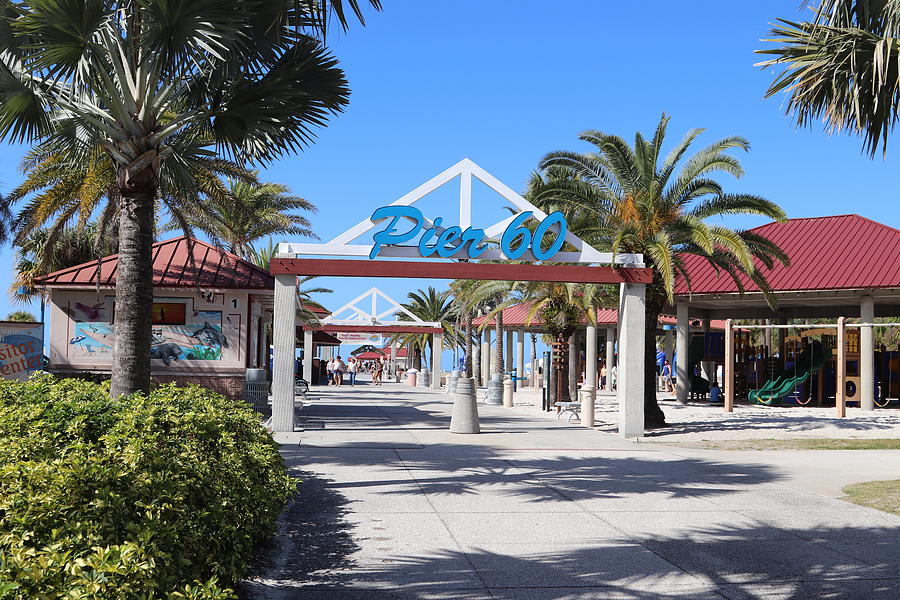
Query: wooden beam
point(729, 366)
point(458, 270)
point(840, 389)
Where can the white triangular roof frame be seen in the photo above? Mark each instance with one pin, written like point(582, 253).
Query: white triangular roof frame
point(342, 245)
point(373, 317)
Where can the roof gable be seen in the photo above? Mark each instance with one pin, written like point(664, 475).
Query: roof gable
point(211, 267)
point(827, 253)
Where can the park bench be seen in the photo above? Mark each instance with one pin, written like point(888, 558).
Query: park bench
point(573, 408)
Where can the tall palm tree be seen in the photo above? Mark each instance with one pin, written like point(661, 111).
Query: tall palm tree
point(250, 211)
point(843, 67)
point(562, 309)
point(631, 199)
point(37, 256)
point(464, 305)
point(428, 305)
point(495, 296)
point(155, 83)
point(65, 189)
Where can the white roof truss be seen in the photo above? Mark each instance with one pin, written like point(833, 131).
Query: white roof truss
point(360, 316)
point(343, 245)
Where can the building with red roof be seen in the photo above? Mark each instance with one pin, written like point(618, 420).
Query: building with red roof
point(210, 314)
point(836, 262)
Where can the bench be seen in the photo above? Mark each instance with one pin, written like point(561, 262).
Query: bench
point(573, 408)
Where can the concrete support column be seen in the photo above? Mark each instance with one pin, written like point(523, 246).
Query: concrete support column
point(308, 356)
point(394, 360)
point(610, 355)
point(709, 369)
point(437, 348)
point(682, 341)
point(262, 350)
point(283, 365)
point(867, 355)
point(840, 395)
point(520, 358)
point(631, 360)
point(590, 375)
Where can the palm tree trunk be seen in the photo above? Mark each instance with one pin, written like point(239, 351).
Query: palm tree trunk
point(653, 414)
point(499, 358)
point(573, 365)
point(469, 343)
point(417, 357)
point(476, 361)
point(134, 286)
point(562, 369)
point(534, 357)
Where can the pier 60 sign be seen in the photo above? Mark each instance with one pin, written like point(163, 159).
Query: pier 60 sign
point(448, 241)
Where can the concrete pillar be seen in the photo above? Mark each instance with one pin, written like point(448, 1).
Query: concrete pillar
point(283, 365)
point(631, 359)
point(508, 359)
point(437, 348)
point(394, 360)
point(308, 356)
point(729, 366)
point(867, 355)
point(262, 350)
point(590, 376)
point(610, 355)
point(708, 368)
point(682, 341)
point(520, 358)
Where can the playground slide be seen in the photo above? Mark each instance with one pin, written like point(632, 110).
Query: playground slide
point(696, 350)
point(810, 360)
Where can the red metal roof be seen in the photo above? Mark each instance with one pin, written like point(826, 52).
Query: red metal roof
point(827, 253)
point(517, 314)
point(172, 267)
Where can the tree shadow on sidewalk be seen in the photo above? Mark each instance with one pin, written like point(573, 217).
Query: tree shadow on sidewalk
point(313, 542)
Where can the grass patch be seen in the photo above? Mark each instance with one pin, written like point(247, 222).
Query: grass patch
point(795, 444)
point(882, 495)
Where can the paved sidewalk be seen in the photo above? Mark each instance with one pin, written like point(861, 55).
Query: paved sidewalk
point(394, 506)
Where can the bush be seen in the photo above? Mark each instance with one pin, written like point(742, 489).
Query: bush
point(143, 497)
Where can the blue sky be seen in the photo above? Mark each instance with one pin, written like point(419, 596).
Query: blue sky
point(505, 82)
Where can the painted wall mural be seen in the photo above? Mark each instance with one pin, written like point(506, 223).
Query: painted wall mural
point(21, 349)
point(179, 332)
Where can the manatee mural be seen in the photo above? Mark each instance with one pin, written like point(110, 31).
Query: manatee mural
point(199, 339)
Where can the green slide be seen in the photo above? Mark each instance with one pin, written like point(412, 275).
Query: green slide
point(810, 360)
point(696, 349)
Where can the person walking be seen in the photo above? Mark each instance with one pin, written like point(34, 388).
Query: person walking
point(667, 377)
point(339, 368)
point(614, 376)
point(376, 377)
point(603, 375)
point(329, 369)
point(352, 370)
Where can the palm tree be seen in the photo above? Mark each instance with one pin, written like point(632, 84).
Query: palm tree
point(841, 67)
point(562, 309)
point(464, 305)
point(428, 305)
point(155, 87)
point(21, 316)
point(37, 255)
point(495, 296)
point(624, 199)
point(249, 211)
point(69, 189)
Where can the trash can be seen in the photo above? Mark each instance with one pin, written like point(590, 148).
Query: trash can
point(411, 377)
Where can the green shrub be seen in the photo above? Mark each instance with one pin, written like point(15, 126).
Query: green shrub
point(144, 497)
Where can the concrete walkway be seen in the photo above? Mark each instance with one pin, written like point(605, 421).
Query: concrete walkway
point(394, 506)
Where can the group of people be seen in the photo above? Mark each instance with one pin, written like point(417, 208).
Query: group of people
point(336, 368)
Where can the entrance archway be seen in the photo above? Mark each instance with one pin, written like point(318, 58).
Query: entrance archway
point(509, 239)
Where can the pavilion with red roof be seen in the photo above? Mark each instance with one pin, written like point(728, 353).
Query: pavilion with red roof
point(840, 266)
point(210, 315)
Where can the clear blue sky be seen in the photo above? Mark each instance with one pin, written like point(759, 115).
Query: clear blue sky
point(505, 82)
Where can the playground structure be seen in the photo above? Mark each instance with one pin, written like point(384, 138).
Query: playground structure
point(826, 368)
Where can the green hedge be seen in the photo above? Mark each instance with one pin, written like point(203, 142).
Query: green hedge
point(145, 497)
